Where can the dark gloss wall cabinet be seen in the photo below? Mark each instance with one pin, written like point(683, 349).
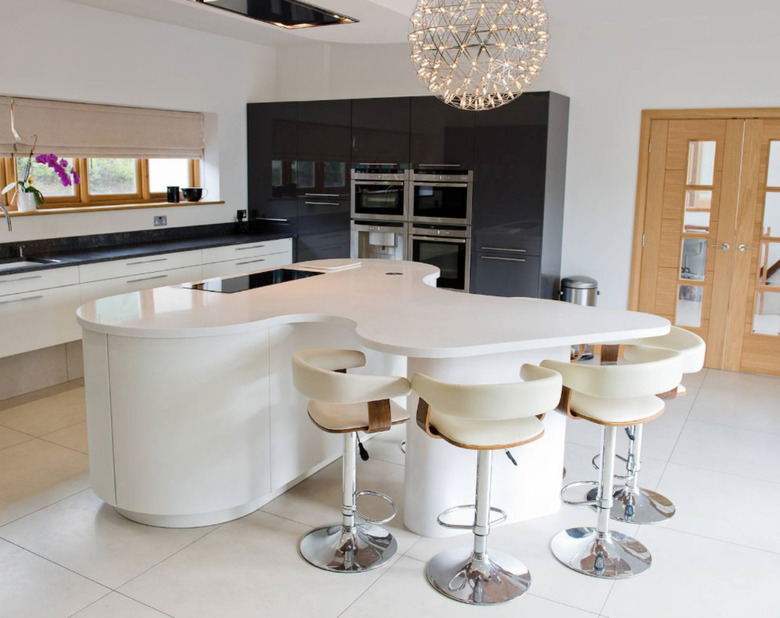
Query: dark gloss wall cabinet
point(441, 135)
point(380, 130)
point(519, 181)
point(300, 155)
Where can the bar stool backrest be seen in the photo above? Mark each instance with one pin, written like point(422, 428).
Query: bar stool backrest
point(652, 370)
point(316, 374)
point(690, 346)
point(539, 392)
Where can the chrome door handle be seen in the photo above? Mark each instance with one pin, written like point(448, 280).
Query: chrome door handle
point(725, 246)
point(745, 248)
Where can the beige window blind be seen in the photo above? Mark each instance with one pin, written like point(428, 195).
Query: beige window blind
point(84, 130)
point(6, 135)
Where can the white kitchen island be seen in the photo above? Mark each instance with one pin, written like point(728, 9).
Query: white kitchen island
point(193, 419)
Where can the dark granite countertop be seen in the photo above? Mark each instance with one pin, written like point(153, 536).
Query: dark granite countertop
point(59, 253)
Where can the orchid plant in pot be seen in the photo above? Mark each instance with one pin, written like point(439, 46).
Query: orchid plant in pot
point(28, 197)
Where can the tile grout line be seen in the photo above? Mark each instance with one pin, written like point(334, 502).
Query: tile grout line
point(45, 506)
point(371, 585)
point(717, 540)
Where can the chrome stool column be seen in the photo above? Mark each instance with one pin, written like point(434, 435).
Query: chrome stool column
point(612, 396)
point(485, 418)
point(343, 403)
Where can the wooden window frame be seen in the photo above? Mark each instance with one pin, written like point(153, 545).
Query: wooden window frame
point(83, 199)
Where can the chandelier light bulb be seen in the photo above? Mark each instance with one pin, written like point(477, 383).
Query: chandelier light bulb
point(478, 54)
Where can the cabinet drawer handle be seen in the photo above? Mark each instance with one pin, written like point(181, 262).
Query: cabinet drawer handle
point(146, 278)
point(252, 247)
point(20, 300)
point(147, 261)
point(250, 262)
point(22, 279)
point(273, 219)
point(322, 203)
point(503, 249)
point(322, 195)
point(501, 259)
point(439, 165)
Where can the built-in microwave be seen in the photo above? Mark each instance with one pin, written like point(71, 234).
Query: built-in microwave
point(441, 197)
point(379, 194)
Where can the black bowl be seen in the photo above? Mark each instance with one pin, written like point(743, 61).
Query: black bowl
point(192, 194)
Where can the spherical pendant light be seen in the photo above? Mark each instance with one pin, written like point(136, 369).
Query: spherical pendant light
point(478, 54)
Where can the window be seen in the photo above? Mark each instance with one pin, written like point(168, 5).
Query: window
point(104, 181)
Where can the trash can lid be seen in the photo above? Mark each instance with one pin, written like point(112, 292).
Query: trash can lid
point(579, 282)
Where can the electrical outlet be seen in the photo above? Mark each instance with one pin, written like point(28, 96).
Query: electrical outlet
point(161, 220)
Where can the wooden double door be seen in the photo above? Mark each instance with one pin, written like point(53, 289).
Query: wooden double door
point(707, 231)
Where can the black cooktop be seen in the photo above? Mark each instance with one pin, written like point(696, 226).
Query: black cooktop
point(241, 283)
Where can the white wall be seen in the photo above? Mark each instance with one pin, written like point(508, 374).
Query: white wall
point(62, 50)
point(614, 59)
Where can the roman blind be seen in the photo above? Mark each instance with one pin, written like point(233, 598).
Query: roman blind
point(6, 136)
point(86, 130)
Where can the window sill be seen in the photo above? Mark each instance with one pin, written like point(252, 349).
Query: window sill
point(67, 211)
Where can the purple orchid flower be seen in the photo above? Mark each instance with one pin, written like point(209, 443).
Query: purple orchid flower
point(61, 167)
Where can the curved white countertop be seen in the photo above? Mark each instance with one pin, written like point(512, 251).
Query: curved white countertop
point(393, 313)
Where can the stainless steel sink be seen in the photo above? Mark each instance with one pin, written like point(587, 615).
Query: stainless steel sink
point(26, 263)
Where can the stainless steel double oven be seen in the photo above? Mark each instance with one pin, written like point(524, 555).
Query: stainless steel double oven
point(423, 215)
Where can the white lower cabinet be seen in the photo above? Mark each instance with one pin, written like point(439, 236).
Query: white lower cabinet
point(237, 259)
point(111, 287)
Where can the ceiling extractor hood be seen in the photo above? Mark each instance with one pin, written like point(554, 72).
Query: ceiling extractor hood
point(282, 13)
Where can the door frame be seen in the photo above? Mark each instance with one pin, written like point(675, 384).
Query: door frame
point(648, 116)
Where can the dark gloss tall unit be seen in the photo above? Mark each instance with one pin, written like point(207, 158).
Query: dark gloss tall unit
point(519, 181)
point(380, 131)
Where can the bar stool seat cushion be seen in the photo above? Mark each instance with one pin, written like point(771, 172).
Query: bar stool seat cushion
point(343, 417)
point(487, 433)
point(621, 412)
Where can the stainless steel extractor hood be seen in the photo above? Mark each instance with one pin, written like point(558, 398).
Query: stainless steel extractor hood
point(282, 13)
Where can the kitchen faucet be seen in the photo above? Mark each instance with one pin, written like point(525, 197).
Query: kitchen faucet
point(7, 217)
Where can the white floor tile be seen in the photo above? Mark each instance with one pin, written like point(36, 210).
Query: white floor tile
point(694, 576)
point(116, 605)
point(89, 537)
point(36, 474)
point(9, 437)
point(317, 500)
point(73, 437)
point(46, 415)
point(728, 449)
point(404, 591)
point(32, 587)
point(249, 567)
point(723, 506)
point(739, 400)
point(387, 445)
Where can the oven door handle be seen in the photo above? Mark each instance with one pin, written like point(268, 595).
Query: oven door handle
point(455, 185)
point(380, 183)
point(460, 241)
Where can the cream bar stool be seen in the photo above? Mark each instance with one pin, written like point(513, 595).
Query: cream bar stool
point(483, 417)
point(612, 396)
point(348, 403)
point(633, 504)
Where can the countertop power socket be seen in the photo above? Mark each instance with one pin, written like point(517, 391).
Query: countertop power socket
point(160, 220)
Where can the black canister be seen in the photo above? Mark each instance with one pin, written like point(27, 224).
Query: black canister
point(173, 195)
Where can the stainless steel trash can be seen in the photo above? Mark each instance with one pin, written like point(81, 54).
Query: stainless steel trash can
point(580, 291)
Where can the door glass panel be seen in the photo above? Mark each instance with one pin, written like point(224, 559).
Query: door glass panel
point(771, 215)
point(773, 175)
point(689, 302)
point(697, 210)
point(701, 163)
point(694, 259)
point(769, 272)
point(766, 320)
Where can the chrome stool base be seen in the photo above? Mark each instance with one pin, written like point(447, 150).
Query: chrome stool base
point(616, 556)
point(638, 506)
point(343, 550)
point(463, 576)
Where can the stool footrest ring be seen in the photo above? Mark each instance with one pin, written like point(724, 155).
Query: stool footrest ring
point(471, 507)
point(376, 494)
point(566, 488)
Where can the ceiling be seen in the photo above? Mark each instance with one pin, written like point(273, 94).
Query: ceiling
point(380, 21)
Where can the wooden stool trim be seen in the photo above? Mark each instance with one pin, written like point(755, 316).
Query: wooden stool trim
point(379, 418)
point(424, 419)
